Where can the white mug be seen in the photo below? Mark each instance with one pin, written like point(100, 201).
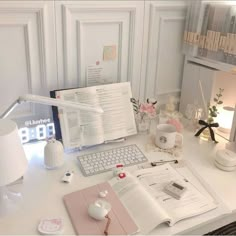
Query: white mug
point(166, 136)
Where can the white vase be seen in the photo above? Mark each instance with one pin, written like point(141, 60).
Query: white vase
point(53, 154)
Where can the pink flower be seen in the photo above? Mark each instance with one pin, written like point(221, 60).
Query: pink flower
point(147, 108)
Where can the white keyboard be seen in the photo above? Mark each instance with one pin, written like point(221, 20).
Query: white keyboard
point(99, 162)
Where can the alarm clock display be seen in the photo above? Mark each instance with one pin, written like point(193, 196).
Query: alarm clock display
point(38, 132)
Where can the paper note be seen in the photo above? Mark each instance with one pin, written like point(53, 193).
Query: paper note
point(94, 74)
point(109, 53)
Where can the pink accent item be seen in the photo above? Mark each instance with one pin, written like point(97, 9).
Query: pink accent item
point(77, 206)
point(176, 123)
point(122, 175)
point(119, 166)
point(51, 226)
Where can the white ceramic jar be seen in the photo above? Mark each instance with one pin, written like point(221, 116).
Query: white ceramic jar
point(53, 154)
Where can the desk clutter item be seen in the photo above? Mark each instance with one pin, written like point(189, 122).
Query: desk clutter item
point(99, 162)
point(174, 189)
point(166, 136)
point(77, 204)
point(67, 177)
point(99, 209)
point(53, 154)
point(51, 225)
point(225, 160)
point(150, 146)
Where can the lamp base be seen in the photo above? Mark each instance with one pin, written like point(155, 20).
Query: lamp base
point(9, 201)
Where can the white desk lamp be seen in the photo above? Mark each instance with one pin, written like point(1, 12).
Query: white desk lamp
point(13, 162)
point(52, 102)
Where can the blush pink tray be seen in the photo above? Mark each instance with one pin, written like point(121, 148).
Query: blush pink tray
point(77, 206)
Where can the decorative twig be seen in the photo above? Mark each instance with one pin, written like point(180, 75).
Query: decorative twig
point(203, 97)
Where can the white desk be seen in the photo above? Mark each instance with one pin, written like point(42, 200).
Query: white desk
point(43, 191)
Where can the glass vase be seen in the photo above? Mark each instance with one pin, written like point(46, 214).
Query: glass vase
point(143, 124)
point(205, 135)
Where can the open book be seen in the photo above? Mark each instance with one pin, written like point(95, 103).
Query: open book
point(142, 194)
point(81, 128)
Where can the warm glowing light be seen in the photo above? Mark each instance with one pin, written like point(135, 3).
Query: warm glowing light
point(226, 118)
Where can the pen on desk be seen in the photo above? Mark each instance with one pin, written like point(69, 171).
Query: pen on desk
point(155, 163)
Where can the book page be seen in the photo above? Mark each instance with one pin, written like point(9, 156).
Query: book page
point(142, 207)
point(118, 116)
point(80, 128)
point(83, 128)
point(192, 203)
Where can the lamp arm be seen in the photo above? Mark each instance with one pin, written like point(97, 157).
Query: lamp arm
point(59, 103)
point(10, 109)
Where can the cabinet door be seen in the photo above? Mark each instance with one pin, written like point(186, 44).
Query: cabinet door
point(162, 52)
point(99, 42)
point(28, 54)
point(193, 75)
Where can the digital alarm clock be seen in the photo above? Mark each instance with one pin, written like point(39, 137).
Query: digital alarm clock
point(38, 132)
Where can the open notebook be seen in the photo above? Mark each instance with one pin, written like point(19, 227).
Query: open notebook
point(142, 193)
point(77, 206)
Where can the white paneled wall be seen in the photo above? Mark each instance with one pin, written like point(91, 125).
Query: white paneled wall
point(162, 57)
point(85, 27)
point(47, 45)
point(27, 46)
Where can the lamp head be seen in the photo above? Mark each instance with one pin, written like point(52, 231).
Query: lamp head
point(13, 162)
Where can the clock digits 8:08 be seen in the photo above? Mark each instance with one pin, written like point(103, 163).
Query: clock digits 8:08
point(39, 132)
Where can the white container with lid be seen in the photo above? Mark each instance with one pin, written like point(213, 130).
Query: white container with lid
point(225, 160)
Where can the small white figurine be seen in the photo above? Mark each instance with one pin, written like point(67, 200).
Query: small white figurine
point(170, 106)
point(53, 154)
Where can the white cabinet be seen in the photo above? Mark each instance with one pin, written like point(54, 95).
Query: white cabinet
point(85, 29)
point(162, 49)
point(27, 46)
point(211, 80)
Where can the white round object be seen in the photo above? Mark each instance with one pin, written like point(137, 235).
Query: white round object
point(53, 154)
point(99, 209)
point(226, 158)
point(225, 168)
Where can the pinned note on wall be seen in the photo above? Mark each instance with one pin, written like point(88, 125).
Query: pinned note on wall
point(109, 53)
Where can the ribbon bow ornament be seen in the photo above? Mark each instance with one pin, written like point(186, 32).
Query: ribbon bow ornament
point(209, 126)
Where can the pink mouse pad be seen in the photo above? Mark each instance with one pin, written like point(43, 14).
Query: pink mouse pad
point(77, 206)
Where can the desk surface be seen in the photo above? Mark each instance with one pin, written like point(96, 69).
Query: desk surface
point(43, 190)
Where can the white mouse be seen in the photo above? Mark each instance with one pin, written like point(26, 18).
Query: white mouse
point(99, 209)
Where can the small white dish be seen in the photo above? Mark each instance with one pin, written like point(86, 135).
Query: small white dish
point(51, 226)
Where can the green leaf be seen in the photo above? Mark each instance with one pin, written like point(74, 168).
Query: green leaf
point(215, 99)
point(220, 102)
